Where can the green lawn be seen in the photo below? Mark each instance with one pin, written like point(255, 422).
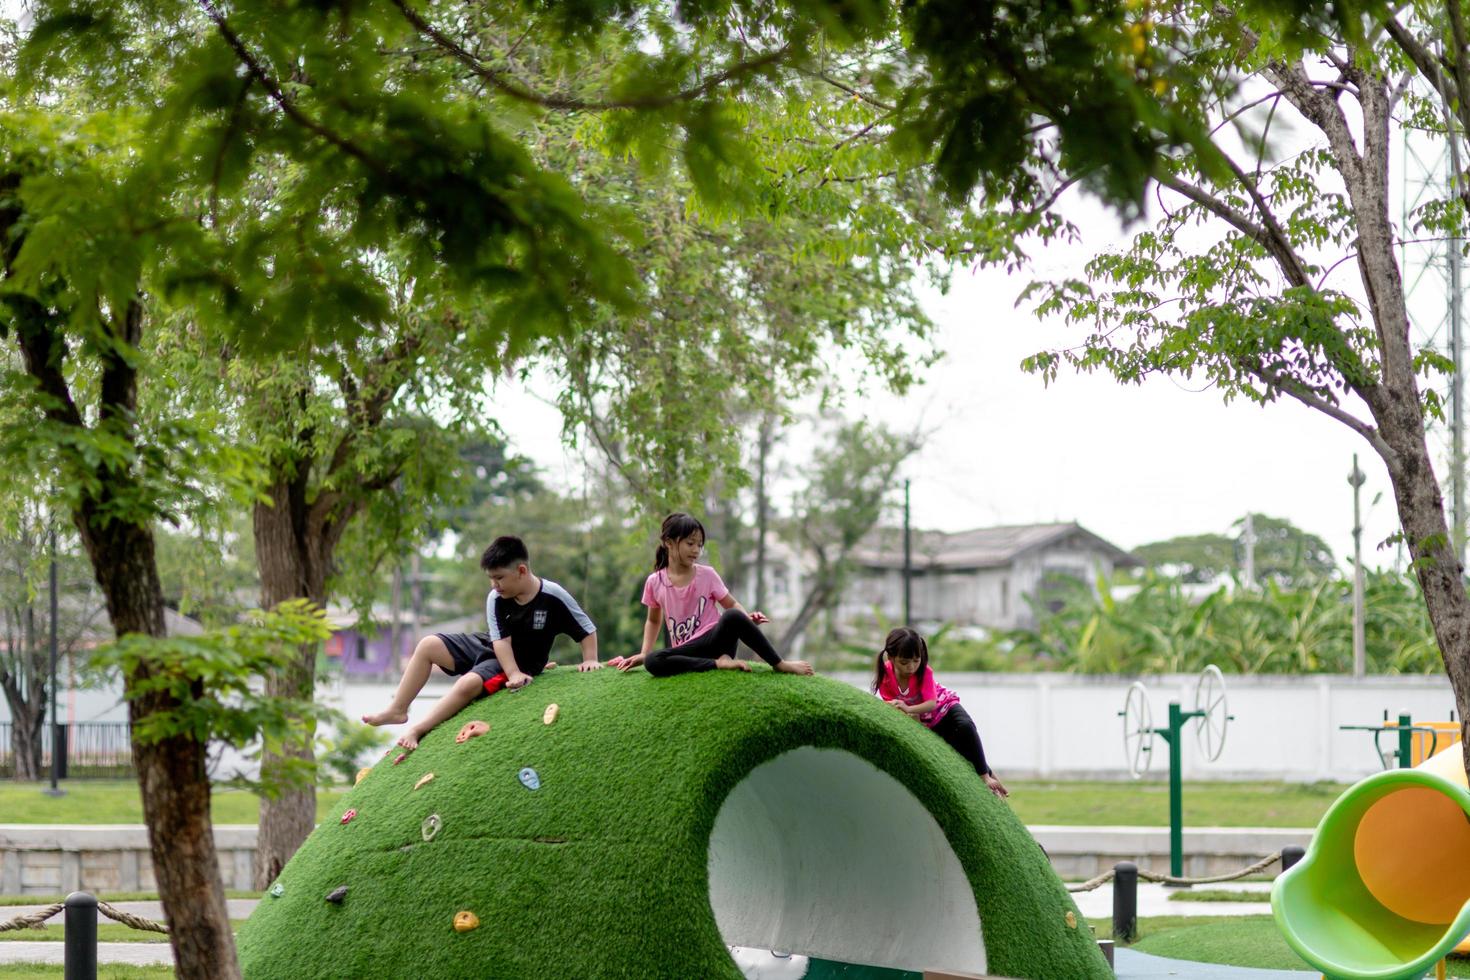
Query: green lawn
point(113, 897)
point(107, 932)
point(1126, 803)
point(1146, 804)
point(1220, 895)
point(1248, 940)
point(117, 801)
point(105, 971)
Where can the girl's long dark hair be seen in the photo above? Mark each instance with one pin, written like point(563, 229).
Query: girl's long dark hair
point(902, 641)
point(676, 527)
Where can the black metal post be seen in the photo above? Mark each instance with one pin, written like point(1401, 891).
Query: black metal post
point(56, 745)
point(908, 564)
point(1291, 854)
point(81, 937)
point(1125, 901)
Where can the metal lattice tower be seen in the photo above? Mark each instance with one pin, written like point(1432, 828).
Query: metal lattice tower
point(1433, 274)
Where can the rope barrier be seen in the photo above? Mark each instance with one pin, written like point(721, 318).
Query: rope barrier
point(1154, 876)
point(37, 919)
point(129, 919)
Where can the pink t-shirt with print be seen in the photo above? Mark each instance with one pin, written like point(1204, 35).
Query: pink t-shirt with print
point(689, 610)
point(928, 689)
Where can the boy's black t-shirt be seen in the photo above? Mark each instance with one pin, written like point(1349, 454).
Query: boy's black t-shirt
point(532, 627)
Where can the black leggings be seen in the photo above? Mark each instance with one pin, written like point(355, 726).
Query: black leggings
point(958, 729)
point(701, 652)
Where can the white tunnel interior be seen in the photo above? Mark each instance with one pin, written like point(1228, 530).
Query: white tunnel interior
point(819, 852)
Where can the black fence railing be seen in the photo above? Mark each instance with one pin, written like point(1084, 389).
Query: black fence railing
point(89, 750)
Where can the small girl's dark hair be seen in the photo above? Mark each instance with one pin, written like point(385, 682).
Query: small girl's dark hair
point(676, 527)
point(902, 641)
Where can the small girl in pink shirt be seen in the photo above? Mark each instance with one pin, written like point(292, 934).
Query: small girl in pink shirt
point(904, 680)
point(702, 619)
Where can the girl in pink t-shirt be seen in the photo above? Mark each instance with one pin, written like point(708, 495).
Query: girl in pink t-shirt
point(904, 680)
point(702, 619)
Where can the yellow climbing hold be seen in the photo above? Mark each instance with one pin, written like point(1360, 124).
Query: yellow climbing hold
point(551, 713)
point(1071, 919)
point(361, 775)
point(466, 920)
point(425, 778)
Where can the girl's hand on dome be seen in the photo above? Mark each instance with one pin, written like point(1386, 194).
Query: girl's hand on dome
point(759, 618)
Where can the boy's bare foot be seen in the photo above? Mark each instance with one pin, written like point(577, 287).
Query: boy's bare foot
point(795, 667)
point(389, 717)
point(730, 663)
point(410, 739)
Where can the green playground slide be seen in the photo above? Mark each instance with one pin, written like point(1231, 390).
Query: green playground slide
point(1384, 889)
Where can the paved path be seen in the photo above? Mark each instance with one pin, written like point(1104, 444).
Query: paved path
point(1129, 964)
point(1155, 900)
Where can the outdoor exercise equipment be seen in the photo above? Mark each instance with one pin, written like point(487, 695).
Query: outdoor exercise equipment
point(1384, 891)
point(1211, 715)
point(1412, 748)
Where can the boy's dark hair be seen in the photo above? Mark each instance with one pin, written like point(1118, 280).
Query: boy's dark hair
point(505, 551)
point(903, 642)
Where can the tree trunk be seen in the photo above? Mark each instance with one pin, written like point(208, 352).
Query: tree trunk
point(289, 556)
point(27, 724)
point(172, 772)
point(812, 605)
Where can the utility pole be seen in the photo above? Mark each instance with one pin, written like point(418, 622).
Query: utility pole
point(1356, 479)
point(908, 560)
point(1248, 539)
point(763, 449)
point(56, 744)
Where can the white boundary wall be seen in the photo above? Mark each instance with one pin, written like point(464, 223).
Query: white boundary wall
point(1067, 725)
point(1285, 727)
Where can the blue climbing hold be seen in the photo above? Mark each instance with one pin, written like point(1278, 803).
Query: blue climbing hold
point(529, 779)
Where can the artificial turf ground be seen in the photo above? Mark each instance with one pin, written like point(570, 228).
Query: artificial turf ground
point(602, 872)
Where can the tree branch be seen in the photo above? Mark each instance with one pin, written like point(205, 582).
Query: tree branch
point(279, 97)
point(1301, 393)
point(1275, 244)
point(503, 82)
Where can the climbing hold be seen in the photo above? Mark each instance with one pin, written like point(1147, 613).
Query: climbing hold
point(401, 757)
point(550, 665)
point(466, 920)
point(430, 826)
point(361, 775)
point(470, 730)
point(427, 777)
point(529, 779)
point(1071, 920)
point(277, 890)
point(551, 713)
point(347, 817)
point(337, 895)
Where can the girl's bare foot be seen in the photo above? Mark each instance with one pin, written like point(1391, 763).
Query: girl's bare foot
point(794, 667)
point(410, 739)
point(389, 717)
point(730, 663)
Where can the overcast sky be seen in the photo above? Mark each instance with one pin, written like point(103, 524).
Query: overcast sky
point(1133, 464)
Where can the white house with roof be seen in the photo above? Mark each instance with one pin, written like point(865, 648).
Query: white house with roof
point(978, 578)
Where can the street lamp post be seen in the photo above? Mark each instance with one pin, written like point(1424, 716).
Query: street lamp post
point(54, 790)
point(1356, 480)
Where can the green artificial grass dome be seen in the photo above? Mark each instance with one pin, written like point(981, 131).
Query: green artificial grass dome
point(675, 817)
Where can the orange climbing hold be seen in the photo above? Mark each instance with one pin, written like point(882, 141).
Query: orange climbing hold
point(466, 920)
point(470, 730)
point(361, 775)
point(552, 711)
point(426, 778)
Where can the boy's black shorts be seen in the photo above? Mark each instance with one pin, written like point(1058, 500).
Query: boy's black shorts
point(472, 652)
